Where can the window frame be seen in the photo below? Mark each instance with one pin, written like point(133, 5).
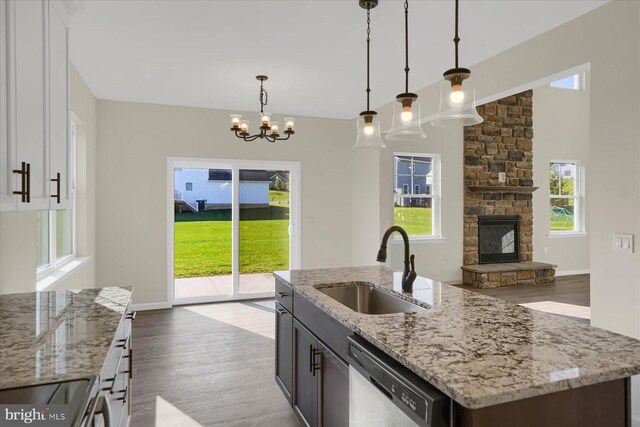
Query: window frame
point(577, 197)
point(54, 262)
point(435, 196)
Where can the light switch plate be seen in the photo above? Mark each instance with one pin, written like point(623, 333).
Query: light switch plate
point(502, 177)
point(623, 242)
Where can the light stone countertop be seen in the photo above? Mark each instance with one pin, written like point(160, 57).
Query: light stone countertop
point(58, 335)
point(479, 350)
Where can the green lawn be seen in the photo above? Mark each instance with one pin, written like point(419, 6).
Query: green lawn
point(416, 221)
point(562, 224)
point(280, 198)
point(203, 242)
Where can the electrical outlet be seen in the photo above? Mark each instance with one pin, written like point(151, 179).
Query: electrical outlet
point(546, 250)
point(502, 177)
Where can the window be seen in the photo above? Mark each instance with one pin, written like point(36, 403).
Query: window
point(564, 196)
point(416, 212)
point(573, 82)
point(188, 186)
point(55, 237)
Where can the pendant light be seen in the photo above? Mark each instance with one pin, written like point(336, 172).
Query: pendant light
point(457, 95)
point(405, 123)
point(368, 123)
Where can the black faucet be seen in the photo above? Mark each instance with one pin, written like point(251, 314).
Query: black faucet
point(409, 274)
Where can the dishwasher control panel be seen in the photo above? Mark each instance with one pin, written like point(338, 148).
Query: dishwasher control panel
point(426, 405)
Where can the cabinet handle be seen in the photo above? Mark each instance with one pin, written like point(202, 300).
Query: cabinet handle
point(25, 182)
point(112, 381)
point(282, 294)
point(132, 315)
point(124, 394)
point(310, 357)
point(281, 311)
point(57, 181)
point(123, 343)
point(314, 366)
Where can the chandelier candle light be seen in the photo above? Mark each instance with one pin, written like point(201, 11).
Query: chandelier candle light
point(268, 130)
point(457, 96)
point(405, 124)
point(368, 124)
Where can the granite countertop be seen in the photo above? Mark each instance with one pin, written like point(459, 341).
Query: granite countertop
point(479, 350)
point(58, 335)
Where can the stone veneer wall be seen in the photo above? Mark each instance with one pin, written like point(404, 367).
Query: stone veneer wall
point(502, 143)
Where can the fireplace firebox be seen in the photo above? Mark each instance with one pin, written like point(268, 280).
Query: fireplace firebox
point(498, 238)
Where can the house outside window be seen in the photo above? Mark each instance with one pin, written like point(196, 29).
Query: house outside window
point(188, 186)
point(418, 211)
point(574, 82)
point(55, 231)
point(565, 198)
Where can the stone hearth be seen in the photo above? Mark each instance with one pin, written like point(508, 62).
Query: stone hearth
point(508, 274)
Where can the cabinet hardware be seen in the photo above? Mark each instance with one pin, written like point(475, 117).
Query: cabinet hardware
point(124, 394)
point(281, 311)
point(123, 343)
point(25, 180)
point(282, 294)
point(315, 366)
point(310, 357)
point(132, 315)
point(112, 381)
point(57, 181)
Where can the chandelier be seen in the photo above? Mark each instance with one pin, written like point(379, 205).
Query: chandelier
point(268, 129)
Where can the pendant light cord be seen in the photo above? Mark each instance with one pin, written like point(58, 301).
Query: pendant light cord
point(456, 39)
point(406, 45)
point(368, 43)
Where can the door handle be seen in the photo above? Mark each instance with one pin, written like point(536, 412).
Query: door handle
point(25, 182)
point(57, 181)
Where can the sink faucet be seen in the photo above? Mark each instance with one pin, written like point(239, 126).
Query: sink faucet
point(409, 274)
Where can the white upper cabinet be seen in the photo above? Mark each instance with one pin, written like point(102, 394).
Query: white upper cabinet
point(34, 106)
point(60, 155)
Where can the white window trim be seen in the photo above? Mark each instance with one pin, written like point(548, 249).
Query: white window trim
point(55, 268)
point(436, 228)
point(578, 214)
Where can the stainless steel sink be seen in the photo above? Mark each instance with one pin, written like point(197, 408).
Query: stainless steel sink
point(369, 300)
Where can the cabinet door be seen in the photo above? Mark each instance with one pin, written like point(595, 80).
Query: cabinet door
point(30, 111)
point(305, 391)
point(284, 351)
point(334, 390)
point(7, 143)
point(60, 154)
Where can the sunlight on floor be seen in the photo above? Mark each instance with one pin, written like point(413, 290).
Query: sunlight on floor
point(560, 308)
point(169, 415)
point(252, 316)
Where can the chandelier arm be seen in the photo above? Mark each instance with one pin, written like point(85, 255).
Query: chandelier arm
point(283, 139)
point(251, 138)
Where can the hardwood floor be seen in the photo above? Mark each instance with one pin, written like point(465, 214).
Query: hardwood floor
point(207, 365)
point(568, 290)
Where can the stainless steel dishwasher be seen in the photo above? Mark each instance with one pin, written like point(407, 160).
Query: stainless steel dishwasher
point(383, 393)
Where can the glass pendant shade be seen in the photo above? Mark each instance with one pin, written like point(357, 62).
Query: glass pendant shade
point(369, 133)
point(457, 105)
point(265, 120)
point(405, 123)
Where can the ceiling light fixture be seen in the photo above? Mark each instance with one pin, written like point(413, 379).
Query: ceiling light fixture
point(405, 123)
point(369, 123)
point(457, 101)
point(268, 129)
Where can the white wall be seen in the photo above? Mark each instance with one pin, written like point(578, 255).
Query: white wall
point(609, 39)
point(135, 141)
point(560, 132)
point(18, 229)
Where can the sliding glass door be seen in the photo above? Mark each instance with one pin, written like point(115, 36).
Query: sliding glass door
point(232, 224)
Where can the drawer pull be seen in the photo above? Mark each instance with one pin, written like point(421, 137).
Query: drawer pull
point(282, 294)
point(281, 311)
point(132, 315)
point(122, 343)
point(109, 389)
point(124, 392)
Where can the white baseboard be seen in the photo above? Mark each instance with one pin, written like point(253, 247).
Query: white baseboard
point(572, 272)
point(150, 306)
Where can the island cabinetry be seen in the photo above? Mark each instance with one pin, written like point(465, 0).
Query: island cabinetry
point(284, 351)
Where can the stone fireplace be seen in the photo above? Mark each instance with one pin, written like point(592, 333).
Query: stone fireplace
point(498, 196)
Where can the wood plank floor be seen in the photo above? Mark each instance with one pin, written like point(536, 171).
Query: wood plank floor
point(207, 365)
point(572, 290)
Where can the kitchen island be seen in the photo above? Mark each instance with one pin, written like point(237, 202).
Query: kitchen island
point(491, 357)
point(69, 336)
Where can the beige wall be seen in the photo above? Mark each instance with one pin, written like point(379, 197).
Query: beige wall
point(18, 229)
point(135, 142)
point(609, 39)
point(561, 132)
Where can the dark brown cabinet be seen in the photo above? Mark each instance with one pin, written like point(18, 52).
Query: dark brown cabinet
point(321, 382)
point(284, 351)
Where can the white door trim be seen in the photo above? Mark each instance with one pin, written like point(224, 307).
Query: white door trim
point(234, 165)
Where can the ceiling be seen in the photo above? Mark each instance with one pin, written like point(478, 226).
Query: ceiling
point(207, 53)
